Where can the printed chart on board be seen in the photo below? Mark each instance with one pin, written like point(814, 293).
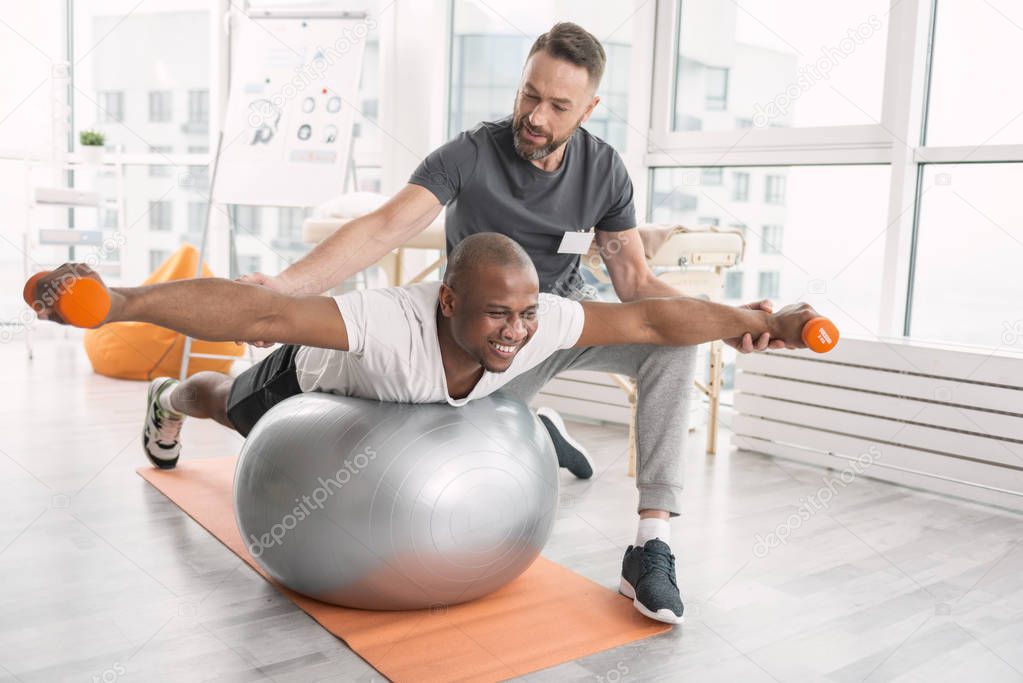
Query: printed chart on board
point(288, 124)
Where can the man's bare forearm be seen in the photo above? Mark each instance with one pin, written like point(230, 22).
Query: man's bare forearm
point(208, 308)
point(360, 243)
point(684, 321)
point(353, 247)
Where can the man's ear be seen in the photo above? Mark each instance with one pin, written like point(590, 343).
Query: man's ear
point(447, 301)
point(590, 108)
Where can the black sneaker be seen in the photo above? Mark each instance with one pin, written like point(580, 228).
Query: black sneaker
point(648, 577)
point(161, 432)
point(571, 454)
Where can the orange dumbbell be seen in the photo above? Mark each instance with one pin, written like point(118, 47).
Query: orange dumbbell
point(820, 335)
point(84, 303)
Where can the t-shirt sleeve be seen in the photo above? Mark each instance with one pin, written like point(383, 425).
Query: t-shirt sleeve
point(448, 169)
point(376, 322)
point(622, 213)
point(561, 323)
point(353, 307)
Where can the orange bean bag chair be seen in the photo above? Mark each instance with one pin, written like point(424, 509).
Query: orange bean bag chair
point(143, 350)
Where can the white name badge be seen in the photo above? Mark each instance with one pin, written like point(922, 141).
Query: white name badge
point(576, 242)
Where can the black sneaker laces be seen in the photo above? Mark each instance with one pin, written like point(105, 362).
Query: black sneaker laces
point(659, 561)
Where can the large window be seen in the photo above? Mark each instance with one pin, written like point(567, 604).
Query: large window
point(489, 49)
point(907, 150)
point(969, 250)
point(177, 214)
point(132, 62)
point(143, 74)
point(978, 47)
point(827, 256)
point(778, 63)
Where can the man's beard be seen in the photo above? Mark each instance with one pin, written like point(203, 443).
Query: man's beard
point(540, 152)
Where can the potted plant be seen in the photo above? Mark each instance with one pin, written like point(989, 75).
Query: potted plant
point(91, 147)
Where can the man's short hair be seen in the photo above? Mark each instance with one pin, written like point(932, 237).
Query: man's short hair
point(574, 44)
point(483, 249)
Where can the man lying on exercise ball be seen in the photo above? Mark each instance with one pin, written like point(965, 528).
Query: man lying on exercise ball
point(541, 178)
point(455, 341)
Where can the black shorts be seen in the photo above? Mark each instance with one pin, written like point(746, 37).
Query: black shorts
point(261, 387)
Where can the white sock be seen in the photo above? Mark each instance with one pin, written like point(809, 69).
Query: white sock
point(652, 527)
point(164, 398)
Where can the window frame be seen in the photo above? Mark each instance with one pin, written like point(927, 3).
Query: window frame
point(896, 140)
point(868, 143)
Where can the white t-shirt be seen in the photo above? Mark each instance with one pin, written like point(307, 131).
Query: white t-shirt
point(394, 353)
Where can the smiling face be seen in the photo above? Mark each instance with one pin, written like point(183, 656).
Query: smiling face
point(554, 98)
point(494, 318)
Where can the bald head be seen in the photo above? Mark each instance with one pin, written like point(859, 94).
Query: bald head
point(479, 252)
point(488, 305)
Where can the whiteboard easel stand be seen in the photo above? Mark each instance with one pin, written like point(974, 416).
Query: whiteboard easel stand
point(350, 172)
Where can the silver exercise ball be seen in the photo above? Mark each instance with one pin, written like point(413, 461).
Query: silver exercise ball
point(395, 506)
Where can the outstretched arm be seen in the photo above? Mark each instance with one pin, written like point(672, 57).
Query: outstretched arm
point(633, 280)
point(683, 321)
point(215, 309)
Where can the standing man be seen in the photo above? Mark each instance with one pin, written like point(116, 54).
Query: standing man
point(543, 181)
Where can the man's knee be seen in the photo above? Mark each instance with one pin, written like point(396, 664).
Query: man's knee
point(206, 391)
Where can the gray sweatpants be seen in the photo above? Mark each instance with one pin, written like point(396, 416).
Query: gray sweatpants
point(665, 380)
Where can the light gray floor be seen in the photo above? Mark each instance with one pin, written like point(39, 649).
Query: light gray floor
point(101, 578)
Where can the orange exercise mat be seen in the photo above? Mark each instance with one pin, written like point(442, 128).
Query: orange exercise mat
point(547, 616)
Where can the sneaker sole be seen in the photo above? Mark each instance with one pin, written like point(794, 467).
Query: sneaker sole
point(168, 464)
point(559, 425)
point(665, 615)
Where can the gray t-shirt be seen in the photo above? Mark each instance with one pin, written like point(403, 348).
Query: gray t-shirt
point(488, 187)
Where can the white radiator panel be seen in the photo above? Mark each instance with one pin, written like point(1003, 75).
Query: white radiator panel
point(589, 395)
point(944, 419)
